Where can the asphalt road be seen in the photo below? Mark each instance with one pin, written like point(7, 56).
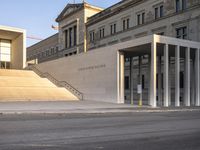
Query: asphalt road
point(134, 131)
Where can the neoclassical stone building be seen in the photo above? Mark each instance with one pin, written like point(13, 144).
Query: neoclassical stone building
point(71, 37)
point(148, 52)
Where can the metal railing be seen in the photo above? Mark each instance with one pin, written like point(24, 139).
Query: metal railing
point(56, 82)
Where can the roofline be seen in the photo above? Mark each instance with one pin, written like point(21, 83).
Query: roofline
point(42, 41)
point(62, 12)
point(82, 7)
point(12, 29)
point(93, 6)
point(106, 15)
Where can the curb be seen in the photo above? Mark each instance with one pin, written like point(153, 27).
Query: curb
point(103, 111)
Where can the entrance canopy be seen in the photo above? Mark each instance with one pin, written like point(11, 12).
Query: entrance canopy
point(12, 48)
point(165, 48)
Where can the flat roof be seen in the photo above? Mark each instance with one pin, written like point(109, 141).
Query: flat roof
point(10, 33)
point(12, 29)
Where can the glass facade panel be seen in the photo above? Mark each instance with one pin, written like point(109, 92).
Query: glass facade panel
point(5, 50)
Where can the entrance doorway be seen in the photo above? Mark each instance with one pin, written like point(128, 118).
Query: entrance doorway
point(4, 65)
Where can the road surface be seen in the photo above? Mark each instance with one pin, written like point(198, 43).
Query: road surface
point(118, 131)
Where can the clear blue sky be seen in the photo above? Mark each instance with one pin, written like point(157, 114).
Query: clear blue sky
point(37, 16)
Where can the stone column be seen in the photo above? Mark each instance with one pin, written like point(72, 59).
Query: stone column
point(121, 76)
point(72, 36)
point(140, 77)
point(153, 75)
point(66, 38)
point(166, 75)
point(177, 76)
point(77, 32)
point(169, 77)
point(159, 81)
point(131, 80)
point(197, 77)
point(149, 78)
point(187, 78)
point(192, 70)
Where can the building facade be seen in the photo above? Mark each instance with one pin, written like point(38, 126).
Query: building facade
point(45, 50)
point(131, 19)
point(12, 48)
point(143, 52)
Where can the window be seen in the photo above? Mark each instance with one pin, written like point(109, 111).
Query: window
point(156, 12)
point(47, 53)
point(56, 49)
point(177, 5)
point(126, 82)
point(159, 12)
point(52, 51)
point(113, 28)
point(5, 50)
point(126, 24)
point(143, 18)
point(75, 36)
point(101, 33)
point(91, 36)
point(184, 4)
point(140, 18)
point(181, 33)
point(181, 5)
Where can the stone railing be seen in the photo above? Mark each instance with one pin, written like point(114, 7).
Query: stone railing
point(56, 82)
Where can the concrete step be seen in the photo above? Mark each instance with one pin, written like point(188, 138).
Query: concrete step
point(35, 94)
point(21, 85)
point(17, 73)
point(9, 81)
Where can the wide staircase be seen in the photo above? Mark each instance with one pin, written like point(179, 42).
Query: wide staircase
point(22, 85)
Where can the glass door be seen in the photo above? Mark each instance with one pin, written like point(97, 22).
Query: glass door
point(4, 65)
point(5, 53)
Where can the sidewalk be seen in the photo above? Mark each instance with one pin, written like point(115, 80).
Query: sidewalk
point(78, 107)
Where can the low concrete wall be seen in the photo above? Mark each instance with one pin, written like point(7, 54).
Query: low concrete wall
point(93, 73)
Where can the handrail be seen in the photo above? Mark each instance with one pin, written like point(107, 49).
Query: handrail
point(57, 82)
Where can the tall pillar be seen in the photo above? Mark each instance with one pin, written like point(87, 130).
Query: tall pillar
point(192, 69)
point(197, 77)
point(121, 63)
point(187, 78)
point(166, 75)
point(149, 78)
point(177, 76)
point(153, 75)
point(159, 81)
point(131, 80)
point(66, 38)
point(77, 31)
point(140, 78)
point(169, 82)
point(72, 36)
